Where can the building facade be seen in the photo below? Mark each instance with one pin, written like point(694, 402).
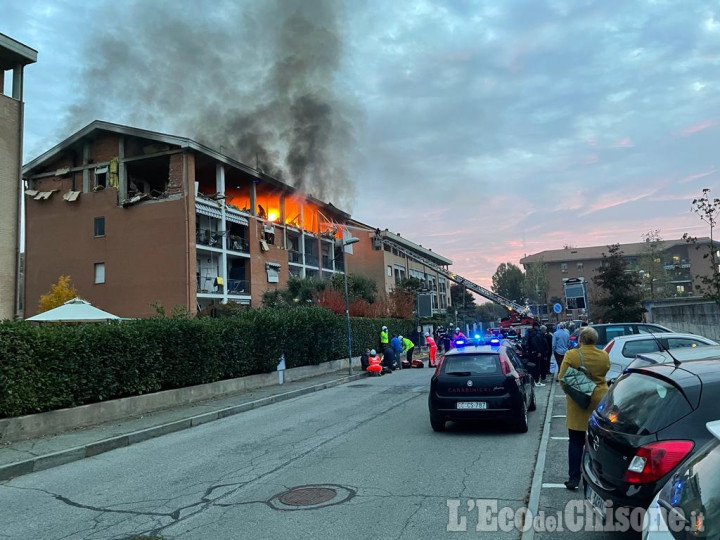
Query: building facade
point(139, 219)
point(667, 269)
point(14, 56)
point(388, 266)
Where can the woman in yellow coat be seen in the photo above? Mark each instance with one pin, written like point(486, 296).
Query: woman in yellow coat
point(597, 363)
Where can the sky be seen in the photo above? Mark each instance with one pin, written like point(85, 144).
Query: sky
point(485, 130)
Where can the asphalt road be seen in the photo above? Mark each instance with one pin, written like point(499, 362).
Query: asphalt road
point(367, 446)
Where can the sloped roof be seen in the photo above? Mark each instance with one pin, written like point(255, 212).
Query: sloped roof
point(76, 310)
point(596, 252)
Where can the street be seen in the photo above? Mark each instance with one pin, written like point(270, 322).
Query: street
point(368, 446)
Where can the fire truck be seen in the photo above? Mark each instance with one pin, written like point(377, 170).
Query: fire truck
point(518, 314)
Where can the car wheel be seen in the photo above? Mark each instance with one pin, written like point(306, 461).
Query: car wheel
point(533, 403)
point(437, 422)
point(521, 424)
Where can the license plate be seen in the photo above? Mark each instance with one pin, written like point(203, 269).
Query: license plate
point(596, 501)
point(472, 405)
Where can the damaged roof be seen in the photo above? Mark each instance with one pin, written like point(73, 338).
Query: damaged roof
point(174, 140)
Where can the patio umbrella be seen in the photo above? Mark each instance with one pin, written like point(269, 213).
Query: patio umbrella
point(76, 310)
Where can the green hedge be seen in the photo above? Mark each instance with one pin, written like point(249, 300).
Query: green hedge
point(49, 367)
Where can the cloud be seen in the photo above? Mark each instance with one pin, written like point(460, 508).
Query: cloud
point(701, 126)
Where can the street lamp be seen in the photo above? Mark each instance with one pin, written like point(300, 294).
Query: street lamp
point(344, 243)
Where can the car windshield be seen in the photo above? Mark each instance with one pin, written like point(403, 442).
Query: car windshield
point(696, 491)
point(638, 404)
point(472, 364)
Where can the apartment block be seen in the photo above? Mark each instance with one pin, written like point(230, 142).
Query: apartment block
point(14, 56)
point(138, 218)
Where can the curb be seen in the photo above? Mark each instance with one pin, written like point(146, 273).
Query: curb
point(76, 453)
point(534, 499)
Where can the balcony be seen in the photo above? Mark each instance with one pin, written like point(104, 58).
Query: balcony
point(238, 243)
point(295, 257)
point(327, 262)
point(238, 287)
point(207, 237)
point(311, 260)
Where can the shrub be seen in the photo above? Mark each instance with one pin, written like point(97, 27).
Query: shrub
point(50, 367)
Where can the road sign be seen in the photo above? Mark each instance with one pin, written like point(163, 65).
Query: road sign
point(557, 308)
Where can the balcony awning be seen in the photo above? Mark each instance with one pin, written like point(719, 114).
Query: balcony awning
point(208, 211)
point(235, 218)
point(215, 212)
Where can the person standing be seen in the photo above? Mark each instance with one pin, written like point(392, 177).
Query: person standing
point(597, 364)
point(560, 343)
point(432, 349)
point(547, 353)
point(535, 346)
point(384, 338)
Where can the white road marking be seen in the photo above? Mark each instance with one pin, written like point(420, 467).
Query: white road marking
point(560, 438)
point(554, 486)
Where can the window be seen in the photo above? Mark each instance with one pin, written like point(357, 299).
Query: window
point(563, 268)
point(101, 177)
point(389, 271)
point(680, 343)
point(640, 346)
point(273, 272)
point(579, 267)
point(99, 226)
point(99, 273)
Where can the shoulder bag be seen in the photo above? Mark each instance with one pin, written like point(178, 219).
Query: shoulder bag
point(578, 385)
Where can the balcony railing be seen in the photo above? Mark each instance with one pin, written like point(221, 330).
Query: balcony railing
point(327, 262)
point(238, 243)
point(206, 237)
point(295, 257)
point(238, 286)
point(311, 260)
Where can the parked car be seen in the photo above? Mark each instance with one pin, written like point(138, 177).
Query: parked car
point(708, 352)
point(477, 381)
point(623, 349)
point(607, 332)
point(652, 419)
point(689, 504)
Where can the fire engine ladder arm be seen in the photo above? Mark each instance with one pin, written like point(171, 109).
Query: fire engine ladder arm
point(482, 291)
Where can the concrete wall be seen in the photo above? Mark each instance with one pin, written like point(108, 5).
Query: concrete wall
point(697, 316)
point(10, 129)
point(52, 422)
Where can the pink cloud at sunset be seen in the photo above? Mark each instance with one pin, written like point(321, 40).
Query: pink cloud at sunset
point(705, 124)
point(624, 143)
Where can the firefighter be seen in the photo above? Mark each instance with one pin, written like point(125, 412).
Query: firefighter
point(458, 336)
point(384, 338)
point(432, 352)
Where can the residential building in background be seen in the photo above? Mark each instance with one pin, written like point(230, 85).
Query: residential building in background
point(388, 266)
point(138, 218)
point(14, 56)
point(667, 269)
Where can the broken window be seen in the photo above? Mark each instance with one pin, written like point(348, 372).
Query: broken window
point(273, 272)
point(101, 175)
point(149, 176)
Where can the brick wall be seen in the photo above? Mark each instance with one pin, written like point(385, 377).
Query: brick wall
point(258, 273)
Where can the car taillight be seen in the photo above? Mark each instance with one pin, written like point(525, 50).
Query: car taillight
point(439, 365)
point(609, 346)
point(655, 460)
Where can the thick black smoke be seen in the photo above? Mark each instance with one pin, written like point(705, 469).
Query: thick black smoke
point(259, 79)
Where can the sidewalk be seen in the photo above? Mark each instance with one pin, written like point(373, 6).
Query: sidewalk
point(34, 455)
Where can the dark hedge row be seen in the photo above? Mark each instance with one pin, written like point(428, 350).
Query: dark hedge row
point(50, 367)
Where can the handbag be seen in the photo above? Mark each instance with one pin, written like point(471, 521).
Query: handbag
point(578, 385)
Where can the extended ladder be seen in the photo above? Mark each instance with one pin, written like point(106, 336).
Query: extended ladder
point(474, 287)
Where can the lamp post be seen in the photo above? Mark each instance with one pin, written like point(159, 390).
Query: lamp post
point(345, 243)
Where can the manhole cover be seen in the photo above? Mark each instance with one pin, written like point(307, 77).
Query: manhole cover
point(307, 496)
point(311, 496)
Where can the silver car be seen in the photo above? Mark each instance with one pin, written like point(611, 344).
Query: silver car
point(623, 350)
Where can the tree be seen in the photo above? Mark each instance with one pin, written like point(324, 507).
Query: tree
point(507, 281)
point(463, 302)
point(60, 292)
point(651, 267)
point(411, 285)
point(535, 284)
point(299, 292)
point(490, 312)
point(359, 287)
point(622, 301)
point(708, 210)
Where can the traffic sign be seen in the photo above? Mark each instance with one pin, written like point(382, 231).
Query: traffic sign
point(557, 308)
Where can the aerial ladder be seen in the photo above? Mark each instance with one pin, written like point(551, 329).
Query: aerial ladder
point(518, 314)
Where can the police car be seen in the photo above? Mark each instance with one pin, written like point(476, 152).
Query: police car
point(478, 380)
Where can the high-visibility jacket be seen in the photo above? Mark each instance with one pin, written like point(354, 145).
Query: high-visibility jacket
point(407, 344)
point(384, 337)
point(430, 342)
point(375, 362)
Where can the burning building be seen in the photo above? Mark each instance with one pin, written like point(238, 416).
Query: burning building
point(138, 218)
